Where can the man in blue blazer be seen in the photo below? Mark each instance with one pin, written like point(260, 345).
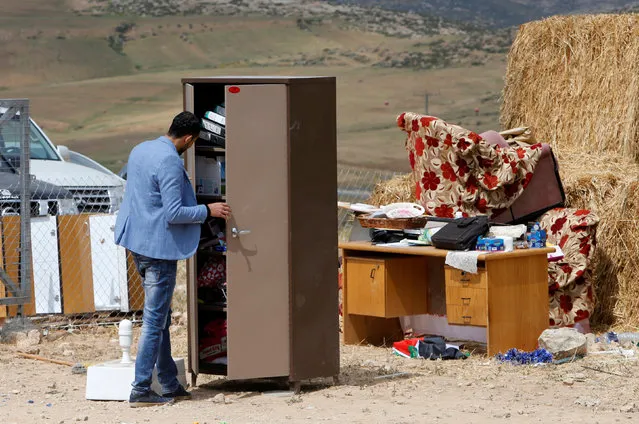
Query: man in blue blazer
point(159, 222)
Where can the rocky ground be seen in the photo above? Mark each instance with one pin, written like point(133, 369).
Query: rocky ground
point(375, 387)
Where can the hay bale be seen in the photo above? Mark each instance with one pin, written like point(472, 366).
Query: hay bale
point(575, 81)
point(398, 189)
point(608, 185)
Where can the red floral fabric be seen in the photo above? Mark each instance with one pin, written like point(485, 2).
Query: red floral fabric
point(213, 273)
point(456, 170)
point(570, 280)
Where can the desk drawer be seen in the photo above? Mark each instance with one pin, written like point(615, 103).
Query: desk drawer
point(466, 306)
point(458, 278)
point(386, 287)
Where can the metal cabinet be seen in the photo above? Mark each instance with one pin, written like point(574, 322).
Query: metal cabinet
point(281, 258)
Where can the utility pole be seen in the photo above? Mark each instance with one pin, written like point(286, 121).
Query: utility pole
point(427, 95)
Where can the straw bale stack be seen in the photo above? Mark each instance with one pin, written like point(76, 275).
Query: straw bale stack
point(575, 81)
point(396, 190)
point(608, 185)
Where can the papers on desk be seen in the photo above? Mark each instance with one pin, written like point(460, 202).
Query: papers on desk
point(403, 243)
point(557, 255)
point(358, 207)
point(465, 260)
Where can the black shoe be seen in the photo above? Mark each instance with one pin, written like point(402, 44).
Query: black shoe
point(148, 399)
point(179, 394)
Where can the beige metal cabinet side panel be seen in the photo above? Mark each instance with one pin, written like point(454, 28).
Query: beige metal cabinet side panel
point(191, 280)
point(258, 262)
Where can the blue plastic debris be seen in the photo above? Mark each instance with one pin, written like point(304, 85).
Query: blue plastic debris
point(29, 401)
point(611, 336)
point(537, 356)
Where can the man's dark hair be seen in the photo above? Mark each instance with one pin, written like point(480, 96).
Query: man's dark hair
point(184, 123)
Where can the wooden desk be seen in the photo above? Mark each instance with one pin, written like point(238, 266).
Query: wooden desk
point(508, 295)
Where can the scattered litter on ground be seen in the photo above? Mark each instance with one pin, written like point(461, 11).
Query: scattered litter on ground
point(537, 356)
point(604, 371)
point(428, 348)
point(279, 393)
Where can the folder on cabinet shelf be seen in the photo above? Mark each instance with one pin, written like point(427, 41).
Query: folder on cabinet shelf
point(215, 117)
point(212, 139)
point(213, 127)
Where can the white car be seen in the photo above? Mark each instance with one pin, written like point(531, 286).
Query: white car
point(94, 188)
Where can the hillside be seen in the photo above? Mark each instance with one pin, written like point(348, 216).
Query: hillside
point(102, 78)
point(100, 38)
point(349, 16)
point(498, 13)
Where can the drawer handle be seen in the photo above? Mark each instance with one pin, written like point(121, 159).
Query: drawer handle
point(373, 272)
point(466, 319)
point(465, 300)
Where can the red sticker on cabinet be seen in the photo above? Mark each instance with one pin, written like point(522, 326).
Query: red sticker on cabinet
point(234, 90)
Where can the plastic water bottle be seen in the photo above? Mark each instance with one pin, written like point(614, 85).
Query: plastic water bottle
point(628, 338)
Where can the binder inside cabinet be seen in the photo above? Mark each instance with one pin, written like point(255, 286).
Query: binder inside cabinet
point(263, 284)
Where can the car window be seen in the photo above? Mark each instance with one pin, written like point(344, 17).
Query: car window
point(10, 141)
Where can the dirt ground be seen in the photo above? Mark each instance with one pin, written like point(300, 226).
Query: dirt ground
point(596, 389)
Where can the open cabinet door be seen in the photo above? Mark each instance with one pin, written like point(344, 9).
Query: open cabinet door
point(257, 234)
point(191, 281)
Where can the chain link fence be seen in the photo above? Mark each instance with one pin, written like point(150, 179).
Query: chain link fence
point(78, 270)
point(356, 185)
point(59, 251)
point(15, 190)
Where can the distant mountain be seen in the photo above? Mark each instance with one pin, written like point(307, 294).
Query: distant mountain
point(498, 13)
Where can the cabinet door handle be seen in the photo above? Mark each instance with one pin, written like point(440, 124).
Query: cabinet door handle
point(236, 233)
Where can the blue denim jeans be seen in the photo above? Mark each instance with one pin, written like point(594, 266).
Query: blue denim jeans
point(154, 346)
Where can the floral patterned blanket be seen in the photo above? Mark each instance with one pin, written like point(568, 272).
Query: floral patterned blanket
point(456, 170)
point(570, 280)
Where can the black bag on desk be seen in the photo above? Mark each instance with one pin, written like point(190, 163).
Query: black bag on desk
point(386, 236)
point(461, 234)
